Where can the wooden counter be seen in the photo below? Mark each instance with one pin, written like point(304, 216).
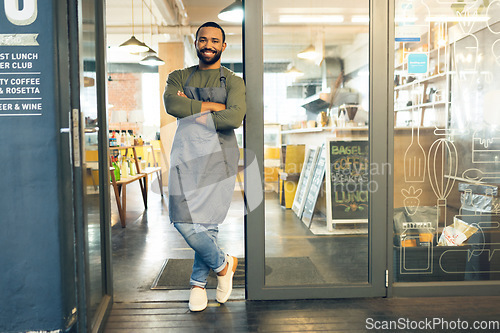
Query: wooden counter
point(317, 135)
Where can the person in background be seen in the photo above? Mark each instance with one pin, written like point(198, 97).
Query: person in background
point(209, 103)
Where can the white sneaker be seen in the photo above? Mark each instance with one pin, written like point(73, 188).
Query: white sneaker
point(198, 300)
point(225, 282)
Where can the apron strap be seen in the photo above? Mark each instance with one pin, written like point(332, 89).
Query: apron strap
point(222, 79)
point(190, 76)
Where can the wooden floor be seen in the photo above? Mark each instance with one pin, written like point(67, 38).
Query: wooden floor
point(140, 249)
point(344, 315)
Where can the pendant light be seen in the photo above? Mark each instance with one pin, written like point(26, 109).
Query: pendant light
point(233, 12)
point(151, 59)
point(309, 53)
point(133, 45)
point(294, 72)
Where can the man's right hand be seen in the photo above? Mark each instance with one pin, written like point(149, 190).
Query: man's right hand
point(181, 94)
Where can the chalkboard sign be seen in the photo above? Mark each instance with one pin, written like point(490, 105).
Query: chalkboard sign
point(304, 181)
point(348, 180)
point(315, 187)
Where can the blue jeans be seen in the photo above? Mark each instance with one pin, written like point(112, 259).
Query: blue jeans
point(202, 238)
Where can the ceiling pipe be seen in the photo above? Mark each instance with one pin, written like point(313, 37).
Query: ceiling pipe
point(172, 12)
point(184, 18)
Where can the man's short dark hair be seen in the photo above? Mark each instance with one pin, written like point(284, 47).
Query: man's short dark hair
point(213, 25)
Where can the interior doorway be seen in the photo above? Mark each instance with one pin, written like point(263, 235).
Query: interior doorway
point(282, 244)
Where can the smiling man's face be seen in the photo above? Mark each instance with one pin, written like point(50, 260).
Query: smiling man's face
point(209, 45)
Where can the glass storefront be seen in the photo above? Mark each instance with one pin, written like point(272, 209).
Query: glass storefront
point(316, 147)
point(446, 141)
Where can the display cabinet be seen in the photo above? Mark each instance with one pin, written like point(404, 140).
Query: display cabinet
point(422, 76)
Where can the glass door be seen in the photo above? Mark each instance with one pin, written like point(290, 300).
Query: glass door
point(92, 184)
point(446, 143)
point(91, 166)
point(317, 232)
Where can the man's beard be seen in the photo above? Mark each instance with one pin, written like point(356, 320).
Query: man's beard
point(213, 60)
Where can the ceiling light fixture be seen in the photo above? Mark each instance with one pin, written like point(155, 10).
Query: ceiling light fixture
point(151, 59)
point(311, 19)
point(294, 72)
point(233, 12)
point(133, 45)
point(309, 53)
point(150, 51)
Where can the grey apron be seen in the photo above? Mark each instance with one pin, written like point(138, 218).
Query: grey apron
point(203, 163)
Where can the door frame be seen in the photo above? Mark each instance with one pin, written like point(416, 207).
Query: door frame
point(101, 84)
point(379, 153)
point(73, 19)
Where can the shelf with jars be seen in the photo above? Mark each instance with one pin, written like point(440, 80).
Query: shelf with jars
point(422, 77)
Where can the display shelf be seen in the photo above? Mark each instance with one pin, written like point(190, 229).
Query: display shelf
point(437, 78)
point(119, 186)
point(307, 130)
point(351, 128)
point(325, 129)
point(426, 79)
point(125, 147)
point(421, 106)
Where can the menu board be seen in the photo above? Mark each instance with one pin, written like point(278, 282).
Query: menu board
point(304, 181)
point(348, 181)
point(26, 60)
point(315, 187)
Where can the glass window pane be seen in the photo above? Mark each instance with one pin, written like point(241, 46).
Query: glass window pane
point(316, 154)
point(88, 95)
point(446, 145)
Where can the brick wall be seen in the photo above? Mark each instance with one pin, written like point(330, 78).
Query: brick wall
point(124, 94)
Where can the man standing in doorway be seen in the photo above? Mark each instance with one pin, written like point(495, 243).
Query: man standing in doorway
point(209, 103)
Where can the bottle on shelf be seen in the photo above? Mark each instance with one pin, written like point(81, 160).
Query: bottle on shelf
point(123, 139)
point(130, 138)
point(342, 119)
point(131, 166)
point(124, 167)
point(142, 163)
point(117, 170)
point(112, 139)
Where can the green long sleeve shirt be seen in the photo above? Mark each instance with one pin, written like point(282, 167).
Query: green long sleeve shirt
point(181, 107)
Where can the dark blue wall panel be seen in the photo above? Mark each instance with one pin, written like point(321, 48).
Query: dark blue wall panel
point(30, 266)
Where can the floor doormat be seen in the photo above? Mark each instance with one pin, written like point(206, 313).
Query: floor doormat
point(280, 271)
